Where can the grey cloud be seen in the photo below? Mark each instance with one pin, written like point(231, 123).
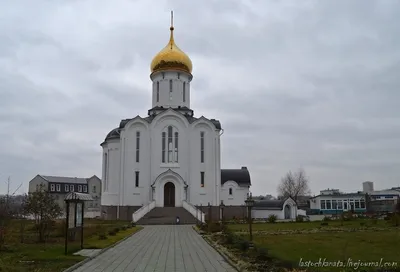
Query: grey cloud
point(294, 83)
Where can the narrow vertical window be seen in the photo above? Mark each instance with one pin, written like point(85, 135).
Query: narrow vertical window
point(163, 147)
point(66, 187)
point(230, 191)
point(137, 145)
point(170, 144)
point(201, 179)
point(105, 172)
point(176, 146)
point(52, 187)
point(184, 92)
point(136, 178)
point(71, 188)
point(158, 91)
point(170, 89)
point(58, 188)
point(202, 146)
point(80, 188)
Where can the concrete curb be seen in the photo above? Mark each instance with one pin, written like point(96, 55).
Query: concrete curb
point(77, 265)
point(224, 256)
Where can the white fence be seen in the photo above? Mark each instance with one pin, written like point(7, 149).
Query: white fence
point(199, 215)
point(143, 211)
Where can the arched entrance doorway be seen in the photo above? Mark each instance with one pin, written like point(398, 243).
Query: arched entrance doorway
point(287, 212)
point(169, 194)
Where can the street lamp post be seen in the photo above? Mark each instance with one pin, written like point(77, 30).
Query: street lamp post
point(250, 203)
point(221, 207)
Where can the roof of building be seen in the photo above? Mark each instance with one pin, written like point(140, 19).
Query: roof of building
point(78, 196)
point(57, 179)
point(240, 176)
point(270, 204)
point(116, 132)
point(339, 195)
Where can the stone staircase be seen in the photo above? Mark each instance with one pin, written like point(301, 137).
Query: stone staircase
point(167, 216)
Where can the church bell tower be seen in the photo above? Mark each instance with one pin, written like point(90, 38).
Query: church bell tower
point(171, 74)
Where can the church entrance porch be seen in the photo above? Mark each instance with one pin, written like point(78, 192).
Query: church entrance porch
point(169, 194)
point(169, 190)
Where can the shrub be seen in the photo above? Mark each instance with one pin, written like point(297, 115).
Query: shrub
point(300, 218)
point(116, 230)
point(243, 245)
point(324, 223)
point(133, 224)
point(102, 236)
point(272, 218)
point(229, 238)
point(395, 220)
point(262, 254)
point(123, 228)
point(327, 218)
point(112, 233)
point(214, 227)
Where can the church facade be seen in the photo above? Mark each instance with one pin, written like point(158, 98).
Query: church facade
point(168, 156)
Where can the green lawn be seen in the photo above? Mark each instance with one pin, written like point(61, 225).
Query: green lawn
point(31, 256)
point(364, 246)
point(366, 242)
point(309, 225)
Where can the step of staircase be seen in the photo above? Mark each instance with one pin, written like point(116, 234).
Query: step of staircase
point(167, 216)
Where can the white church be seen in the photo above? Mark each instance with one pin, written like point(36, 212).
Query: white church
point(170, 158)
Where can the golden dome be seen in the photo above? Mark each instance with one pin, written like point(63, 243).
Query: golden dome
point(171, 58)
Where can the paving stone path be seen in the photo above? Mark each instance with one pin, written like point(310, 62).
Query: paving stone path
point(160, 248)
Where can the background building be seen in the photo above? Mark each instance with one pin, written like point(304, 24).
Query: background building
point(59, 187)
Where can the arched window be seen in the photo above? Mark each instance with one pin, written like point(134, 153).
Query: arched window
point(158, 91)
point(137, 145)
point(170, 142)
point(176, 146)
point(163, 147)
point(170, 147)
point(202, 146)
point(230, 191)
point(105, 185)
point(184, 92)
point(170, 89)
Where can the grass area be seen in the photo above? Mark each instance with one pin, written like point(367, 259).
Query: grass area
point(31, 256)
point(362, 240)
point(309, 225)
point(365, 246)
point(94, 242)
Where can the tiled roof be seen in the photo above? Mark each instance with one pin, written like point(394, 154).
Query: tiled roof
point(65, 179)
point(240, 176)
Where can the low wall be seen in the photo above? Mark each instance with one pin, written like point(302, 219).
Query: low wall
point(125, 212)
point(230, 212)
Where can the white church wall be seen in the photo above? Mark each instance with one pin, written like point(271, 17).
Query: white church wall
point(238, 196)
point(180, 125)
point(132, 195)
point(210, 192)
point(175, 98)
point(111, 191)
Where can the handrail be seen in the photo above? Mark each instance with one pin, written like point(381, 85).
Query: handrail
point(142, 211)
point(197, 213)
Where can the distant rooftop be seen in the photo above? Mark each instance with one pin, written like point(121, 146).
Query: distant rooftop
point(56, 179)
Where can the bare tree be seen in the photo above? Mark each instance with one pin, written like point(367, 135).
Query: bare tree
point(43, 207)
point(294, 185)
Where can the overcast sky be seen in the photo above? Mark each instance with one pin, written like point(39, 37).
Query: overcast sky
point(312, 84)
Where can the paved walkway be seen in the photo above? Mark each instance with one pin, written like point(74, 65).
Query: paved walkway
point(160, 248)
